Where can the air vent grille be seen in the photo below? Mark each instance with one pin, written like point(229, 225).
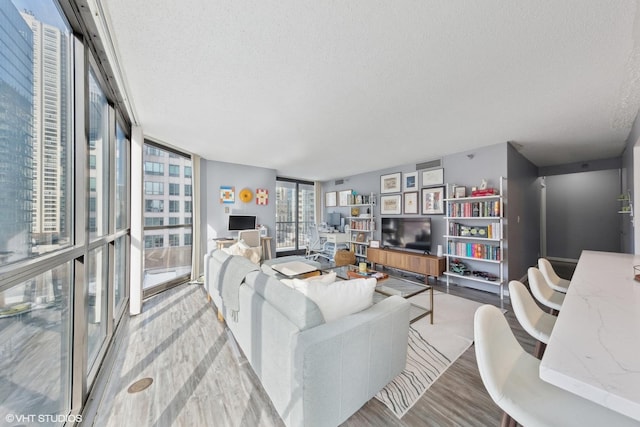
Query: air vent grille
point(339, 182)
point(430, 164)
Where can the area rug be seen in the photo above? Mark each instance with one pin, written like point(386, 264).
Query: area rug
point(432, 349)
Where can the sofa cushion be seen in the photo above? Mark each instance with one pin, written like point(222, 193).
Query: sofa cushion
point(300, 310)
point(340, 298)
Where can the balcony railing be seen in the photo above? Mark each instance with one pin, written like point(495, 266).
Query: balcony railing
point(286, 235)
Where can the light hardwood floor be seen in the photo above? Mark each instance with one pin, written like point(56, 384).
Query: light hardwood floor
point(200, 379)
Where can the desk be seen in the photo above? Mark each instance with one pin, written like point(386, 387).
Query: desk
point(265, 242)
point(594, 349)
point(335, 237)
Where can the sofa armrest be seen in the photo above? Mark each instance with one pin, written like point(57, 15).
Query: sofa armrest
point(344, 363)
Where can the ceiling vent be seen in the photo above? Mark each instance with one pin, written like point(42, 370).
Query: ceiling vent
point(429, 165)
point(339, 182)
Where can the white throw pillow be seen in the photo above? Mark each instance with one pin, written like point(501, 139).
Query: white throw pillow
point(240, 248)
point(323, 278)
point(340, 298)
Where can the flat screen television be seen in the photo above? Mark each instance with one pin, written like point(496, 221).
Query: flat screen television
point(412, 234)
point(242, 222)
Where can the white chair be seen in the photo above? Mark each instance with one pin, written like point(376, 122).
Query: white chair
point(554, 281)
point(318, 249)
point(250, 237)
point(542, 292)
point(511, 376)
point(536, 322)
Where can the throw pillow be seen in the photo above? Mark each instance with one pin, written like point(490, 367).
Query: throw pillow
point(323, 278)
point(340, 298)
point(240, 248)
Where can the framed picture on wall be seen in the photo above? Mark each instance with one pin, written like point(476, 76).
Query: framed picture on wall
point(390, 183)
point(433, 201)
point(433, 177)
point(330, 199)
point(411, 202)
point(391, 205)
point(410, 181)
point(343, 197)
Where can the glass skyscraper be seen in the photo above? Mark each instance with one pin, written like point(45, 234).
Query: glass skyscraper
point(16, 131)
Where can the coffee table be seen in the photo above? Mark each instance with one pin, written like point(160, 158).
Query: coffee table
point(392, 285)
point(294, 268)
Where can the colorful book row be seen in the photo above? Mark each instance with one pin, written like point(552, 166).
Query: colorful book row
point(475, 209)
point(491, 231)
point(363, 225)
point(474, 250)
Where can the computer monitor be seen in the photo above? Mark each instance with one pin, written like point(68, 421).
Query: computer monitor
point(333, 219)
point(242, 222)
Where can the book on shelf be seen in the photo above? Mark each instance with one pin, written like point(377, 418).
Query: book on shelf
point(474, 250)
point(490, 231)
point(485, 192)
point(475, 209)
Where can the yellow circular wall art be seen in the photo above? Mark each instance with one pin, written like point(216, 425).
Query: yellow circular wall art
point(246, 195)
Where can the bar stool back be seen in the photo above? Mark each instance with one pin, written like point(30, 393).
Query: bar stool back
point(542, 292)
point(536, 322)
point(554, 281)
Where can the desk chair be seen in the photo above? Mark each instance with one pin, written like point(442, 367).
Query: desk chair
point(554, 281)
point(536, 322)
point(542, 292)
point(251, 238)
point(316, 248)
point(511, 376)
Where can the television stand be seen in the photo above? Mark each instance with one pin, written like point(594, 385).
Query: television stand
point(427, 265)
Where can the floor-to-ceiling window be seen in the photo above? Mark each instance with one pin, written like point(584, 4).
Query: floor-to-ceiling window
point(37, 250)
point(168, 217)
point(64, 214)
point(295, 211)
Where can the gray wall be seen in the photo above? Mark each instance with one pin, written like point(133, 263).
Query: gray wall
point(523, 214)
point(582, 213)
point(628, 230)
point(240, 176)
point(467, 168)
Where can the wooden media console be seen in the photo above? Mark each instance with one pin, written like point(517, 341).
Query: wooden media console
point(427, 265)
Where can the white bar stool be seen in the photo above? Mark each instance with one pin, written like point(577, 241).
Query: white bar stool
point(542, 292)
point(554, 281)
point(536, 322)
point(511, 376)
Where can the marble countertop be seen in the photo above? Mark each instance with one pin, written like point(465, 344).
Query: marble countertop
point(594, 349)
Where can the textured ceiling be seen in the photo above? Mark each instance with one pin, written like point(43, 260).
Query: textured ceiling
point(326, 89)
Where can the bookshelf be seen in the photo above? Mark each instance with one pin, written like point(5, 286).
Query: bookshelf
point(475, 239)
point(361, 222)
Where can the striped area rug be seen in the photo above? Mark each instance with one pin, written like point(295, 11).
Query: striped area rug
point(432, 349)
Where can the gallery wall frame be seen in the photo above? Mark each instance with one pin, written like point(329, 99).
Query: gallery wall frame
point(411, 202)
point(343, 197)
point(227, 194)
point(390, 183)
point(391, 205)
point(433, 201)
point(410, 181)
point(433, 177)
point(330, 199)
